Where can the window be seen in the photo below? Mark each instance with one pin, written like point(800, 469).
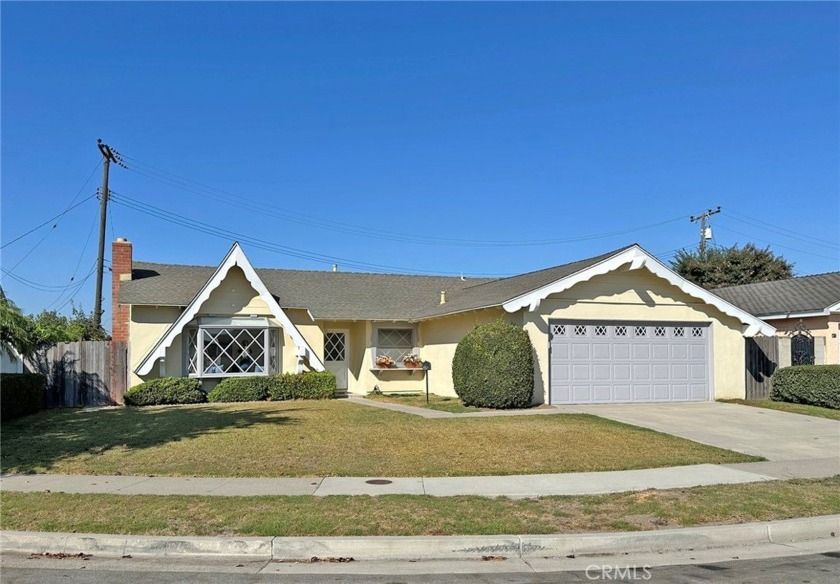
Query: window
point(640, 331)
point(558, 330)
point(697, 331)
point(679, 331)
point(621, 331)
point(580, 330)
point(225, 351)
point(600, 331)
point(334, 347)
point(659, 331)
point(396, 343)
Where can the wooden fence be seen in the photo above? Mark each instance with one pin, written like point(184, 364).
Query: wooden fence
point(762, 361)
point(83, 373)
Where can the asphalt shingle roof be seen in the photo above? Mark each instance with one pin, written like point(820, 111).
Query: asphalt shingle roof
point(802, 294)
point(350, 295)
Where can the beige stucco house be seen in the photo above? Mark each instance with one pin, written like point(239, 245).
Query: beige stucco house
point(805, 312)
point(618, 327)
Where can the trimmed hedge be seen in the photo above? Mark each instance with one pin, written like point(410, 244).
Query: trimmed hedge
point(21, 394)
point(241, 389)
point(494, 367)
point(307, 385)
point(166, 391)
point(816, 385)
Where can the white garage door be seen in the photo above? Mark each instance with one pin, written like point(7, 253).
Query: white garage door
point(613, 362)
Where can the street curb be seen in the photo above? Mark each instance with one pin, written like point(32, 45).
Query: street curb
point(429, 547)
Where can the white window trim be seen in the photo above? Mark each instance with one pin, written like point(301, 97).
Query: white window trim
point(639, 258)
point(199, 348)
point(235, 257)
point(408, 327)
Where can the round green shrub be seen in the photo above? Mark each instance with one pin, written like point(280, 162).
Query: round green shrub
point(494, 367)
point(166, 391)
point(816, 385)
point(240, 389)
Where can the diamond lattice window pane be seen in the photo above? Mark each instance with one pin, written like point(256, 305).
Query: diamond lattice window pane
point(621, 331)
point(558, 330)
point(659, 331)
point(334, 347)
point(394, 343)
point(192, 351)
point(580, 330)
point(233, 351)
point(697, 331)
point(600, 331)
point(679, 331)
point(640, 331)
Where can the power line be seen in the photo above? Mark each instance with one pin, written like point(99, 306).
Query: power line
point(239, 201)
point(778, 244)
point(48, 221)
point(228, 235)
point(79, 261)
point(747, 220)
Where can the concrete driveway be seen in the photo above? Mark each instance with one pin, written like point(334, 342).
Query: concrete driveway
point(774, 435)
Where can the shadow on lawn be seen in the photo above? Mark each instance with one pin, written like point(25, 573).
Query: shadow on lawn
point(37, 442)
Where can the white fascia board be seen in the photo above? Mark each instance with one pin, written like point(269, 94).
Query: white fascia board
point(235, 257)
point(638, 258)
point(786, 315)
point(833, 308)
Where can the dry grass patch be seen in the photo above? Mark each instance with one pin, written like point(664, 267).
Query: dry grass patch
point(331, 438)
point(453, 405)
point(804, 409)
point(418, 515)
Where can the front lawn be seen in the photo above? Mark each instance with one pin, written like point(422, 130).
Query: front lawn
point(805, 409)
point(436, 402)
point(331, 438)
point(417, 515)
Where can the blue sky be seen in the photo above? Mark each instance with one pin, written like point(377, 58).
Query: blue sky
point(404, 133)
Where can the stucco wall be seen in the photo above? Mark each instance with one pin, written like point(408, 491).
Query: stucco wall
point(824, 329)
point(639, 295)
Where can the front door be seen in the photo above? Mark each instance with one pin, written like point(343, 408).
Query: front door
point(335, 356)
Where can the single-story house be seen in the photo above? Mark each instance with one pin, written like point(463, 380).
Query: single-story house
point(617, 327)
point(805, 312)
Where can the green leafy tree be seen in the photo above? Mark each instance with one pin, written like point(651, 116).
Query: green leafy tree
point(731, 266)
point(15, 329)
point(50, 327)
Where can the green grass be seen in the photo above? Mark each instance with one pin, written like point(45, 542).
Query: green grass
point(436, 402)
point(417, 515)
point(331, 438)
point(789, 407)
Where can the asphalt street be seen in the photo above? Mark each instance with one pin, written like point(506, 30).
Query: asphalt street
point(811, 569)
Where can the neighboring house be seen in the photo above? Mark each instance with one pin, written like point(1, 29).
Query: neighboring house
point(10, 360)
point(804, 310)
point(619, 327)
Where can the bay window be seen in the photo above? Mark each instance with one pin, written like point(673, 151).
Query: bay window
point(232, 346)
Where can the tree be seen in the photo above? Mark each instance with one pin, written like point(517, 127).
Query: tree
point(50, 327)
point(731, 266)
point(15, 329)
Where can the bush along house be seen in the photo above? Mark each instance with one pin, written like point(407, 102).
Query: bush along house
point(617, 327)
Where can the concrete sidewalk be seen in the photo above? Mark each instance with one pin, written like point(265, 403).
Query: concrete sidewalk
point(587, 483)
point(430, 413)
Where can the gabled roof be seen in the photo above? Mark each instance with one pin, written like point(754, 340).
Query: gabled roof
point(819, 294)
point(393, 297)
point(235, 257)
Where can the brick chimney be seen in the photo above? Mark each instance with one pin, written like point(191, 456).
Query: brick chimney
point(121, 263)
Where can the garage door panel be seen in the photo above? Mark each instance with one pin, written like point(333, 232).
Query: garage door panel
point(601, 351)
point(601, 371)
point(600, 362)
point(602, 393)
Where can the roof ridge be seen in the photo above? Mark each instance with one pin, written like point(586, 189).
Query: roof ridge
point(459, 278)
point(802, 277)
point(589, 259)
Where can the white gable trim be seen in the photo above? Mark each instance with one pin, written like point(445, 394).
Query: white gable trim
point(833, 308)
point(235, 257)
point(639, 258)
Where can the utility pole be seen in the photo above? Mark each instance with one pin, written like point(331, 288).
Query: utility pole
point(703, 218)
point(107, 157)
